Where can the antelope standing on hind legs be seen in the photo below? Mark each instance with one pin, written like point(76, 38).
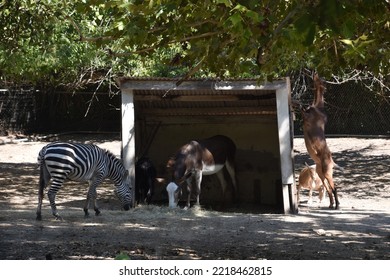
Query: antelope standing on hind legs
point(314, 120)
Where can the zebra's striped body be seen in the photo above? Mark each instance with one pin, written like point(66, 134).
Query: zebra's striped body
point(80, 162)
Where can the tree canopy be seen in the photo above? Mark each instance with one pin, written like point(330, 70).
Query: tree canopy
point(63, 42)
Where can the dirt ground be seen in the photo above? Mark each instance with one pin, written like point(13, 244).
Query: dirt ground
point(359, 230)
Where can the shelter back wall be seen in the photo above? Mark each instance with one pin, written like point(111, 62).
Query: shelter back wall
point(257, 158)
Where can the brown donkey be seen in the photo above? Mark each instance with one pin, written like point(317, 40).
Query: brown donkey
point(314, 120)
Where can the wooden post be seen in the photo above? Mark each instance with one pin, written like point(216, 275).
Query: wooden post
point(285, 146)
point(128, 136)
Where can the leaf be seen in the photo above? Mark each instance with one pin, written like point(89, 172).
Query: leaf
point(240, 8)
point(303, 22)
point(254, 16)
point(348, 29)
point(120, 25)
point(310, 35)
point(122, 256)
point(347, 42)
point(363, 37)
point(235, 19)
point(227, 3)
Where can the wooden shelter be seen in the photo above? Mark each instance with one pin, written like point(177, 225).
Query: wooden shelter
point(158, 116)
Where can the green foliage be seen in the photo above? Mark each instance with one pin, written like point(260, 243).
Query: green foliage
point(236, 38)
point(122, 256)
point(55, 42)
point(36, 47)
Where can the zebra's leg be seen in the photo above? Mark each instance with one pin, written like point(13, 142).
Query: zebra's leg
point(44, 178)
point(39, 208)
point(91, 196)
point(52, 198)
point(86, 205)
point(95, 204)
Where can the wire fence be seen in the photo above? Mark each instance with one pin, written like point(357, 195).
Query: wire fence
point(17, 110)
point(352, 109)
point(31, 111)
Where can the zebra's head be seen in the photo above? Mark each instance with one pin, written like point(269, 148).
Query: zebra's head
point(124, 191)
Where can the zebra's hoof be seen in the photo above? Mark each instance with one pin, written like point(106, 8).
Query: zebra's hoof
point(97, 213)
point(39, 217)
point(59, 218)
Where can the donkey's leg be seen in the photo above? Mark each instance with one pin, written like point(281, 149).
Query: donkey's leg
point(189, 190)
point(198, 182)
point(221, 177)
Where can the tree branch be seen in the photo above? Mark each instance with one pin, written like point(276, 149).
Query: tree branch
point(286, 20)
point(204, 35)
point(191, 72)
point(86, 39)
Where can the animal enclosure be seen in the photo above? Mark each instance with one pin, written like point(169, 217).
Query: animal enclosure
point(158, 117)
point(360, 228)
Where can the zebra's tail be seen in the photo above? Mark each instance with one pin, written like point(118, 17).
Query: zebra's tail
point(44, 175)
point(41, 156)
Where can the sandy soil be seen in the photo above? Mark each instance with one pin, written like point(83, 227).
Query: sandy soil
point(359, 230)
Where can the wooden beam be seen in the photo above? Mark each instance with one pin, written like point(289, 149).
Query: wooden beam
point(170, 84)
point(227, 111)
point(187, 98)
point(231, 120)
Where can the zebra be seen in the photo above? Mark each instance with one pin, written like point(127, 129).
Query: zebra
point(59, 161)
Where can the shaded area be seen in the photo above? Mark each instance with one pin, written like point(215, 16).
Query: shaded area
point(157, 233)
point(360, 230)
point(363, 172)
